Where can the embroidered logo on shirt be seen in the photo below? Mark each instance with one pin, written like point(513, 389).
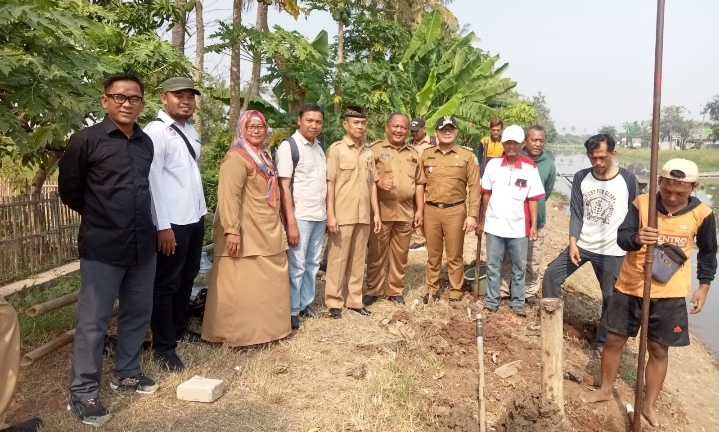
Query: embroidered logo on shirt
point(171, 131)
point(677, 329)
point(384, 155)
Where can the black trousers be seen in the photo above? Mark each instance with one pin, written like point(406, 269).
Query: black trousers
point(174, 277)
point(606, 269)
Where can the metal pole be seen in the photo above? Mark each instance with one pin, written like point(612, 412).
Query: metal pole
point(652, 222)
point(480, 387)
point(479, 219)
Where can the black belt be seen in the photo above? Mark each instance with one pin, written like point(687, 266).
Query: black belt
point(443, 205)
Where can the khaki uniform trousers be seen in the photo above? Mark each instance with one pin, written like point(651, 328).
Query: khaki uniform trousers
point(346, 259)
point(392, 242)
point(9, 357)
point(419, 235)
point(533, 278)
point(443, 228)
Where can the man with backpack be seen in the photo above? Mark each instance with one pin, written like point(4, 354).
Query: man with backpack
point(302, 170)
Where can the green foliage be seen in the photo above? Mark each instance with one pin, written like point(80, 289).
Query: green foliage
point(53, 57)
point(608, 130)
point(521, 113)
point(544, 117)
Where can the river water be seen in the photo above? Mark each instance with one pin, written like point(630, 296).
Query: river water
point(704, 324)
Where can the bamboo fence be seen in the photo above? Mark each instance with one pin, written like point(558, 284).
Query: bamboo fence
point(36, 234)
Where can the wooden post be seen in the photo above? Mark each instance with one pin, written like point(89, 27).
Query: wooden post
point(477, 263)
point(552, 343)
point(480, 388)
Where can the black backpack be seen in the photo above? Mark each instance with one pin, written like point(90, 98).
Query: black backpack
point(295, 152)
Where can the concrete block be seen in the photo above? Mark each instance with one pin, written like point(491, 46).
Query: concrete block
point(199, 389)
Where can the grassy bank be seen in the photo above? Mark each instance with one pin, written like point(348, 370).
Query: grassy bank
point(706, 159)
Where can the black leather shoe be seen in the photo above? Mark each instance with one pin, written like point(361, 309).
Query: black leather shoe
point(426, 298)
point(170, 362)
point(335, 313)
point(397, 299)
point(362, 311)
point(308, 312)
point(368, 299)
point(192, 337)
point(295, 322)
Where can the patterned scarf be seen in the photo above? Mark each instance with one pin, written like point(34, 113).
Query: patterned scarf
point(261, 161)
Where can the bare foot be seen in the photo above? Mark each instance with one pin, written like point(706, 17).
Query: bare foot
point(596, 396)
point(652, 416)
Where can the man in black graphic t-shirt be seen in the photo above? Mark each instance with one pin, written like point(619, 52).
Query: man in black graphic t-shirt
point(600, 199)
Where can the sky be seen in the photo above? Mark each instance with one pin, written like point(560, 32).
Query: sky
point(593, 60)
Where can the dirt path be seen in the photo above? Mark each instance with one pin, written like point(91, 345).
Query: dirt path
point(403, 369)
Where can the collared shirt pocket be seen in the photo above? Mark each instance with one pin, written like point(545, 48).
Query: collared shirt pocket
point(457, 169)
point(346, 169)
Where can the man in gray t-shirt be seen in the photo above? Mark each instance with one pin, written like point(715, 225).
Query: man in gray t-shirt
point(600, 199)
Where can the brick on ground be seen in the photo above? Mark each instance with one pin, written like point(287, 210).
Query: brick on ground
point(199, 389)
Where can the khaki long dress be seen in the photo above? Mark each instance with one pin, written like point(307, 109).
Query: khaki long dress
point(248, 300)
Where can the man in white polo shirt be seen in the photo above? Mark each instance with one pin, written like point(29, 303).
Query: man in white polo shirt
point(178, 210)
point(511, 186)
point(302, 169)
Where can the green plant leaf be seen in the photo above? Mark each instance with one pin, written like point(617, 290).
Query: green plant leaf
point(426, 95)
point(425, 36)
point(448, 58)
point(448, 108)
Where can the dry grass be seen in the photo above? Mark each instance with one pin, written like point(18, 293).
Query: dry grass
point(304, 383)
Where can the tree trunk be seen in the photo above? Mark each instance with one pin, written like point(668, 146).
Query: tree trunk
point(41, 174)
point(178, 30)
point(253, 89)
point(340, 59)
point(199, 63)
point(235, 101)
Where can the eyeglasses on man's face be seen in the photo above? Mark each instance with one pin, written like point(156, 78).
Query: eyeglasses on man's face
point(120, 98)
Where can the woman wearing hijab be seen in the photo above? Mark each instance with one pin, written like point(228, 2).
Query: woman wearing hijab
point(248, 300)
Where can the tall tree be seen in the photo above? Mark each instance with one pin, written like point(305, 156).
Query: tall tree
point(609, 130)
point(199, 60)
point(545, 118)
point(253, 87)
point(235, 101)
point(179, 27)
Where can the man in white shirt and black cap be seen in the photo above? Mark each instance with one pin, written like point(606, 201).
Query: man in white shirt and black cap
point(178, 210)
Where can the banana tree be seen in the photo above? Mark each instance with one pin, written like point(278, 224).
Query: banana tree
point(462, 80)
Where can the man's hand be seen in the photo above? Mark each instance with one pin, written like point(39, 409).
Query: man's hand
point(699, 298)
point(574, 255)
point(232, 244)
point(648, 235)
point(332, 224)
point(386, 181)
point(166, 241)
point(479, 230)
point(533, 233)
point(418, 218)
point(377, 224)
point(469, 224)
point(293, 234)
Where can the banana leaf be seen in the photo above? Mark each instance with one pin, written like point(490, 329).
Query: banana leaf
point(425, 37)
point(426, 95)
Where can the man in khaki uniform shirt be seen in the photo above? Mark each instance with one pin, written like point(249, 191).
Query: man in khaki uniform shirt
point(400, 188)
point(351, 194)
point(450, 170)
point(420, 141)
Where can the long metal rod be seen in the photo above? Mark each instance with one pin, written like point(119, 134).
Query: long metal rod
point(480, 386)
point(652, 222)
point(479, 219)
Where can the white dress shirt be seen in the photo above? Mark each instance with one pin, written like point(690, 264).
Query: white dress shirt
point(309, 187)
point(175, 182)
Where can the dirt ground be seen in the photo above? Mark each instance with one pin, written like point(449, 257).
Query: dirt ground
point(410, 368)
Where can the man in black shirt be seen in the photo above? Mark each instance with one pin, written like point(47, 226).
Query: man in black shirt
point(104, 177)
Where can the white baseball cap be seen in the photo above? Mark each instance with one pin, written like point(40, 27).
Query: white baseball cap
point(682, 170)
point(513, 133)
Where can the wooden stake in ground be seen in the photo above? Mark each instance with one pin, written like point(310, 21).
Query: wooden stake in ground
point(480, 388)
point(552, 352)
point(652, 222)
point(479, 219)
